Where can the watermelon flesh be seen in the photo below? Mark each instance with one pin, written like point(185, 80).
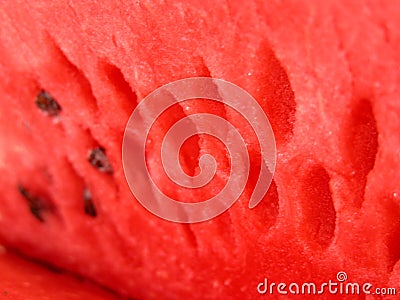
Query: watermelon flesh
point(21, 279)
point(327, 76)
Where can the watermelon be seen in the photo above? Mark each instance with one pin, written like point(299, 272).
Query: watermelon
point(22, 279)
point(326, 74)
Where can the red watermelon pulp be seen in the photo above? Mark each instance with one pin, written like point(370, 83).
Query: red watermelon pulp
point(23, 280)
point(327, 75)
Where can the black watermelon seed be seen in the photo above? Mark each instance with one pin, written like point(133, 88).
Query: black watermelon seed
point(46, 103)
point(90, 209)
point(98, 158)
point(36, 205)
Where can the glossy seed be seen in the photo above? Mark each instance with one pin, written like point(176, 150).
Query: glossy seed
point(88, 204)
point(46, 103)
point(36, 205)
point(98, 158)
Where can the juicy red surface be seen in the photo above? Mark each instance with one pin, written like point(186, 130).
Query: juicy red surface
point(21, 280)
point(325, 72)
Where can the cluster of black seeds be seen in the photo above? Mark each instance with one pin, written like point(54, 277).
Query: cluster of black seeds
point(97, 157)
